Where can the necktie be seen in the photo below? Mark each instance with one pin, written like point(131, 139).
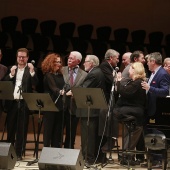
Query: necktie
point(71, 77)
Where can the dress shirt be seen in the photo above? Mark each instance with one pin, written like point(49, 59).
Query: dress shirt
point(18, 84)
point(152, 76)
point(74, 74)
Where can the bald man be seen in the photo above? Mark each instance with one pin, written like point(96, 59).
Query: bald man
point(126, 58)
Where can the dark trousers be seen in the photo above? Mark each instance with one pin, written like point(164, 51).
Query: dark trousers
point(71, 122)
point(17, 125)
point(140, 147)
point(89, 143)
point(53, 134)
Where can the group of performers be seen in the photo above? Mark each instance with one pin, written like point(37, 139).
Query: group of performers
point(135, 92)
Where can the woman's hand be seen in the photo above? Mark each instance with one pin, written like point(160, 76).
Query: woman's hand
point(119, 76)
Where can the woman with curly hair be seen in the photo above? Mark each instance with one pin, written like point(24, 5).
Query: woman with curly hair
point(53, 84)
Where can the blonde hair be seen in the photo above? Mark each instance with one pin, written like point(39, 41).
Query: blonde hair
point(139, 71)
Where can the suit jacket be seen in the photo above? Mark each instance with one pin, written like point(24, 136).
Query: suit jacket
point(3, 71)
point(70, 101)
point(107, 69)
point(159, 87)
point(94, 79)
point(28, 82)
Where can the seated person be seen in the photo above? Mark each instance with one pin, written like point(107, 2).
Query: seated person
point(131, 103)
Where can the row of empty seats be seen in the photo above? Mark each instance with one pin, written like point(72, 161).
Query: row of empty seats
point(47, 41)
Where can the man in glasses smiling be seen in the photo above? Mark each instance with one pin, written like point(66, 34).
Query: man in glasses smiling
point(24, 79)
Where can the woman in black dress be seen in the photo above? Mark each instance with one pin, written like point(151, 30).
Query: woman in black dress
point(53, 84)
point(132, 101)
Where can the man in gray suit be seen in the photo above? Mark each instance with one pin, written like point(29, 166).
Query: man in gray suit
point(73, 77)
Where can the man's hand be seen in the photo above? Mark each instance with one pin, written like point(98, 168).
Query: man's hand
point(13, 70)
point(145, 85)
point(69, 93)
point(31, 67)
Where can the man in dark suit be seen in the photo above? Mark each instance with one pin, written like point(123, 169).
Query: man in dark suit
point(3, 71)
point(24, 79)
point(94, 79)
point(107, 67)
point(157, 86)
point(73, 77)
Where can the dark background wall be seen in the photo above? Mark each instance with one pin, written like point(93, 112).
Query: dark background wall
point(150, 15)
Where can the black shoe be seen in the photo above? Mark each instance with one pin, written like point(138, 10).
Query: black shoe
point(19, 158)
point(109, 145)
point(139, 161)
point(102, 159)
point(89, 164)
point(157, 164)
point(131, 162)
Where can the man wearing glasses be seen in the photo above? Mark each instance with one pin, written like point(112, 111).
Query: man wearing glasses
point(24, 79)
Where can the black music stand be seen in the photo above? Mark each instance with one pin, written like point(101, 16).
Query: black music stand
point(6, 90)
point(38, 102)
point(6, 93)
point(89, 98)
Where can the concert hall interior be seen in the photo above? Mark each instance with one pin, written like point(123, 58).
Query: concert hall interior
point(90, 27)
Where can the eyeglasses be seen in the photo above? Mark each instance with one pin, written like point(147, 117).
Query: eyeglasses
point(86, 61)
point(22, 57)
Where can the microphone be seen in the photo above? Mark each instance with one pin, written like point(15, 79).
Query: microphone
point(19, 88)
point(115, 72)
point(116, 69)
point(32, 62)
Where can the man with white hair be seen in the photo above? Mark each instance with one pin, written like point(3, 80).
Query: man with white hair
point(73, 77)
point(94, 79)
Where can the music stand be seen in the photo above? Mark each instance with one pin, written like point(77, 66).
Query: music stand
point(90, 98)
point(39, 102)
point(6, 90)
point(6, 93)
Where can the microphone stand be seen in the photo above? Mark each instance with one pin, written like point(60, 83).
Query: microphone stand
point(63, 99)
point(19, 110)
point(109, 120)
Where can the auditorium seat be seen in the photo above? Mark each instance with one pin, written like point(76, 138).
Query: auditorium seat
point(67, 29)
point(9, 24)
point(138, 40)
point(40, 47)
point(85, 31)
point(82, 42)
point(3, 39)
point(101, 43)
point(121, 35)
point(103, 33)
point(155, 42)
point(48, 29)
point(29, 26)
point(167, 45)
point(62, 43)
point(120, 41)
point(19, 40)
